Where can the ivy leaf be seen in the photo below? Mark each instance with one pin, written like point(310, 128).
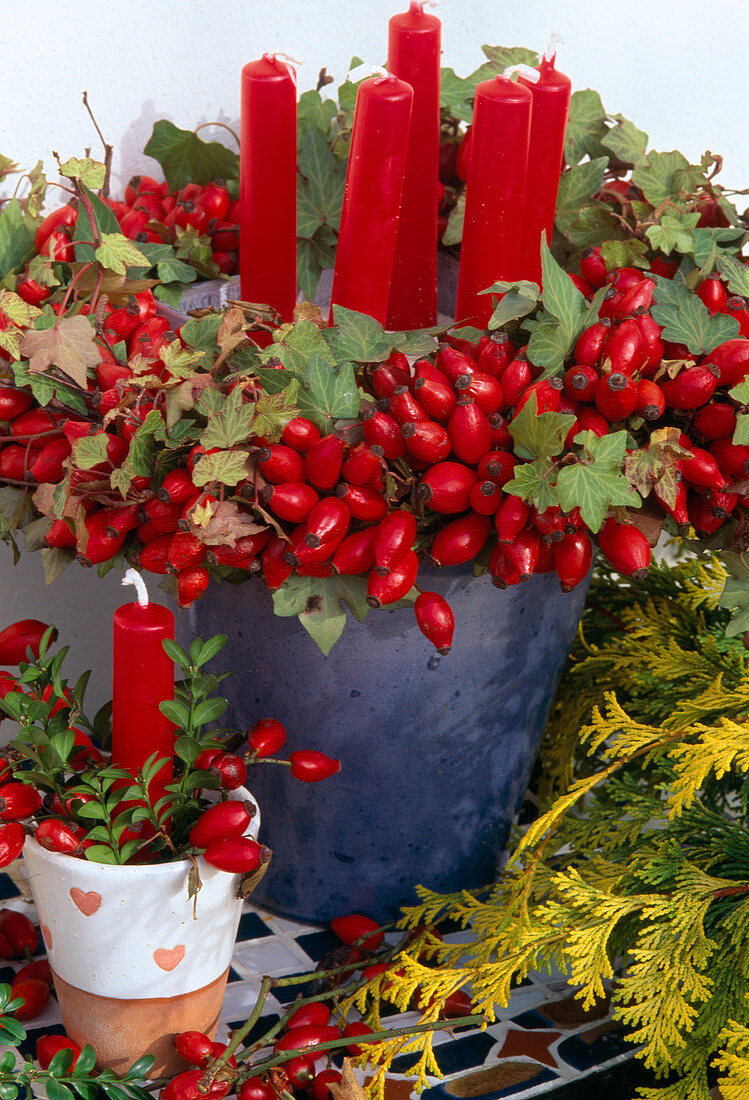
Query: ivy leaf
point(502, 57)
point(456, 94)
point(626, 142)
point(16, 239)
point(539, 435)
point(106, 222)
point(597, 483)
point(740, 392)
point(328, 393)
point(741, 431)
point(90, 172)
point(735, 594)
point(518, 300)
point(202, 332)
point(586, 127)
point(186, 158)
point(228, 467)
point(710, 243)
point(628, 253)
point(294, 345)
point(657, 465)
point(320, 188)
point(274, 411)
point(687, 320)
point(69, 346)
point(735, 273)
point(578, 185)
point(90, 450)
point(117, 253)
point(550, 342)
point(231, 425)
point(674, 232)
point(313, 110)
point(536, 483)
point(145, 446)
point(357, 338)
point(590, 226)
point(18, 311)
point(175, 271)
point(318, 604)
point(655, 176)
point(454, 229)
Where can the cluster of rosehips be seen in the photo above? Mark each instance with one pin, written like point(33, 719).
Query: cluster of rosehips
point(150, 213)
point(219, 832)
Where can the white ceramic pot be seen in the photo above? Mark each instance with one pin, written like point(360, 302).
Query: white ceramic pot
point(133, 964)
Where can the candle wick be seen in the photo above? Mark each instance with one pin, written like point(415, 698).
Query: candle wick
point(132, 576)
point(525, 71)
point(277, 57)
point(551, 50)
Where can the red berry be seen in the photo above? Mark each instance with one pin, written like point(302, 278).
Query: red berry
point(185, 1087)
point(651, 402)
point(324, 461)
point(357, 1029)
point(436, 397)
point(275, 568)
point(306, 1036)
point(47, 1046)
point(523, 552)
point(256, 1089)
point(354, 927)
point(231, 769)
point(446, 487)
point(191, 584)
point(291, 500)
point(511, 517)
point(14, 402)
point(616, 396)
point(328, 521)
point(300, 434)
point(590, 343)
point(300, 1071)
point(230, 818)
point(315, 1014)
point(195, 1047)
point(580, 382)
point(311, 766)
point(732, 360)
point(18, 801)
point(361, 465)
point(382, 433)
point(691, 388)
point(396, 584)
point(364, 502)
point(469, 431)
point(716, 421)
point(235, 854)
point(626, 547)
point(573, 557)
point(426, 441)
point(461, 539)
point(355, 555)
point(387, 378)
point(266, 736)
point(322, 1082)
point(33, 993)
point(394, 535)
point(12, 838)
point(17, 638)
point(55, 836)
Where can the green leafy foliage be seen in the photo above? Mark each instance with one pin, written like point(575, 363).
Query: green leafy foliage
point(597, 482)
point(687, 320)
point(185, 157)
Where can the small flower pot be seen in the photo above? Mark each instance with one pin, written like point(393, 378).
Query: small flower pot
point(133, 964)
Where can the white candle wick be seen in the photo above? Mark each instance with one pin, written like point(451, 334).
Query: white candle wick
point(132, 576)
point(551, 49)
point(525, 71)
point(289, 62)
point(359, 72)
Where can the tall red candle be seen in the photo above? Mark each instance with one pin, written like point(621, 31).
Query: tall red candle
point(495, 195)
point(414, 56)
point(267, 185)
point(551, 103)
point(143, 678)
point(372, 197)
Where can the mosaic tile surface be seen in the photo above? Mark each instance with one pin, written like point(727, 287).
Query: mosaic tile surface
point(540, 1044)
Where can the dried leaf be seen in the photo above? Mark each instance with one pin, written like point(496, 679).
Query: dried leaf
point(69, 346)
point(222, 524)
point(348, 1088)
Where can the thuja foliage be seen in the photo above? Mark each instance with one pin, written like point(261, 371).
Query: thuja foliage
point(636, 874)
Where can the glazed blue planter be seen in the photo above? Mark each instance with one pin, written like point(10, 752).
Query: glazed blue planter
point(435, 751)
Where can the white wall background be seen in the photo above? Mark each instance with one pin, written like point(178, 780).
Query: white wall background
point(677, 69)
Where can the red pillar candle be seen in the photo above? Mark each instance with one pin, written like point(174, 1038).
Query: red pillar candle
point(495, 195)
point(267, 185)
point(371, 201)
point(143, 678)
point(414, 56)
point(551, 104)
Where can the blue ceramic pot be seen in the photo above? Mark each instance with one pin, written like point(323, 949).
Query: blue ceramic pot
point(435, 751)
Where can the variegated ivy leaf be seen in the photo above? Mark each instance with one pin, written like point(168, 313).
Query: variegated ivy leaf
point(117, 253)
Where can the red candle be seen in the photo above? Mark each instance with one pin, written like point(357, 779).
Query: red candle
point(267, 185)
point(414, 56)
point(371, 200)
point(143, 678)
point(551, 103)
point(495, 195)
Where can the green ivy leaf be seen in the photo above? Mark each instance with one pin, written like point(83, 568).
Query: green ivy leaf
point(106, 222)
point(175, 271)
point(318, 603)
point(202, 332)
point(590, 226)
point(454, 229)
point(687, 320)
point(552, 340)
point(709, 244)
point(357, 338)
point(320, 186)
point(274, 411)
point(627, 253)
point(90, 172)
point(741, 431)
point(313, 110)
point(735, 273)
point(55, 562)
point(655, 176)
point(186, 158)
point(18, 311)
point(502, 57)
point(228, 467)
point(586, 127)
point(456, 94)
point(535, 482)
point(626, 142)
point(539, 435)
point(597, 483)
point(674, 232)
point(231, 425)
point(735, 594)
point(518, 300)
point(328, 393)
point(90, 451)
point(578, 185)
point(16, 239)
point(295, 343)
point(308, 270)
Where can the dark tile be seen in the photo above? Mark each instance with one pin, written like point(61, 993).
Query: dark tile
point(285, 994)
point(452, 1057)
point(251, 927)
point(8, 888)
point(531, 1021)
point(7, 974)
point(606, 1043)
point(233, 976)
point(318, 944)
point(258, 1030)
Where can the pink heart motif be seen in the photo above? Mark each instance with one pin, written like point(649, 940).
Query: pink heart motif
point(46, 936)
point(87, 903)
point(168, 958)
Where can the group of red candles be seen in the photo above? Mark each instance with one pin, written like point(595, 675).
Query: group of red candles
point(386, 258)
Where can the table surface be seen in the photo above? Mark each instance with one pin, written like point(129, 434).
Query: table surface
point(542, 1044)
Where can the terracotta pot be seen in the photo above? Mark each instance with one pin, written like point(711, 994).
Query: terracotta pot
point(133, 965)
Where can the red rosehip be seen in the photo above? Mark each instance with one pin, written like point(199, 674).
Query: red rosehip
point(310, 766)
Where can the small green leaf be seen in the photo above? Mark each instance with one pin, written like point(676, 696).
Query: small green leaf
point(318, 602)
point(106, 222)
point(176, 712)
point(117, 253)
point(579, 184)
point(517, 300)
point(627, 253)
point(10, 1029)
point(539, 435)
point(186, 158)
point(273, 411)
point(321, 184)
point(597, 482)
point(210, 648)
point(177, 653)
point(90, 172)
point(100, 853)
point(735, 273)
point(687, 320)
point(90, 451)
point(674, 233)
point(356, 337)
point(16, 239)
point(228, 467)
point(294, 345)
point(535, 483)
point(454, 229)
point(586, 127)
point(328, 393)
point(741, 431)
point(61, 1062)
point(626, 142)
point(209, 710)
point(655, 176)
